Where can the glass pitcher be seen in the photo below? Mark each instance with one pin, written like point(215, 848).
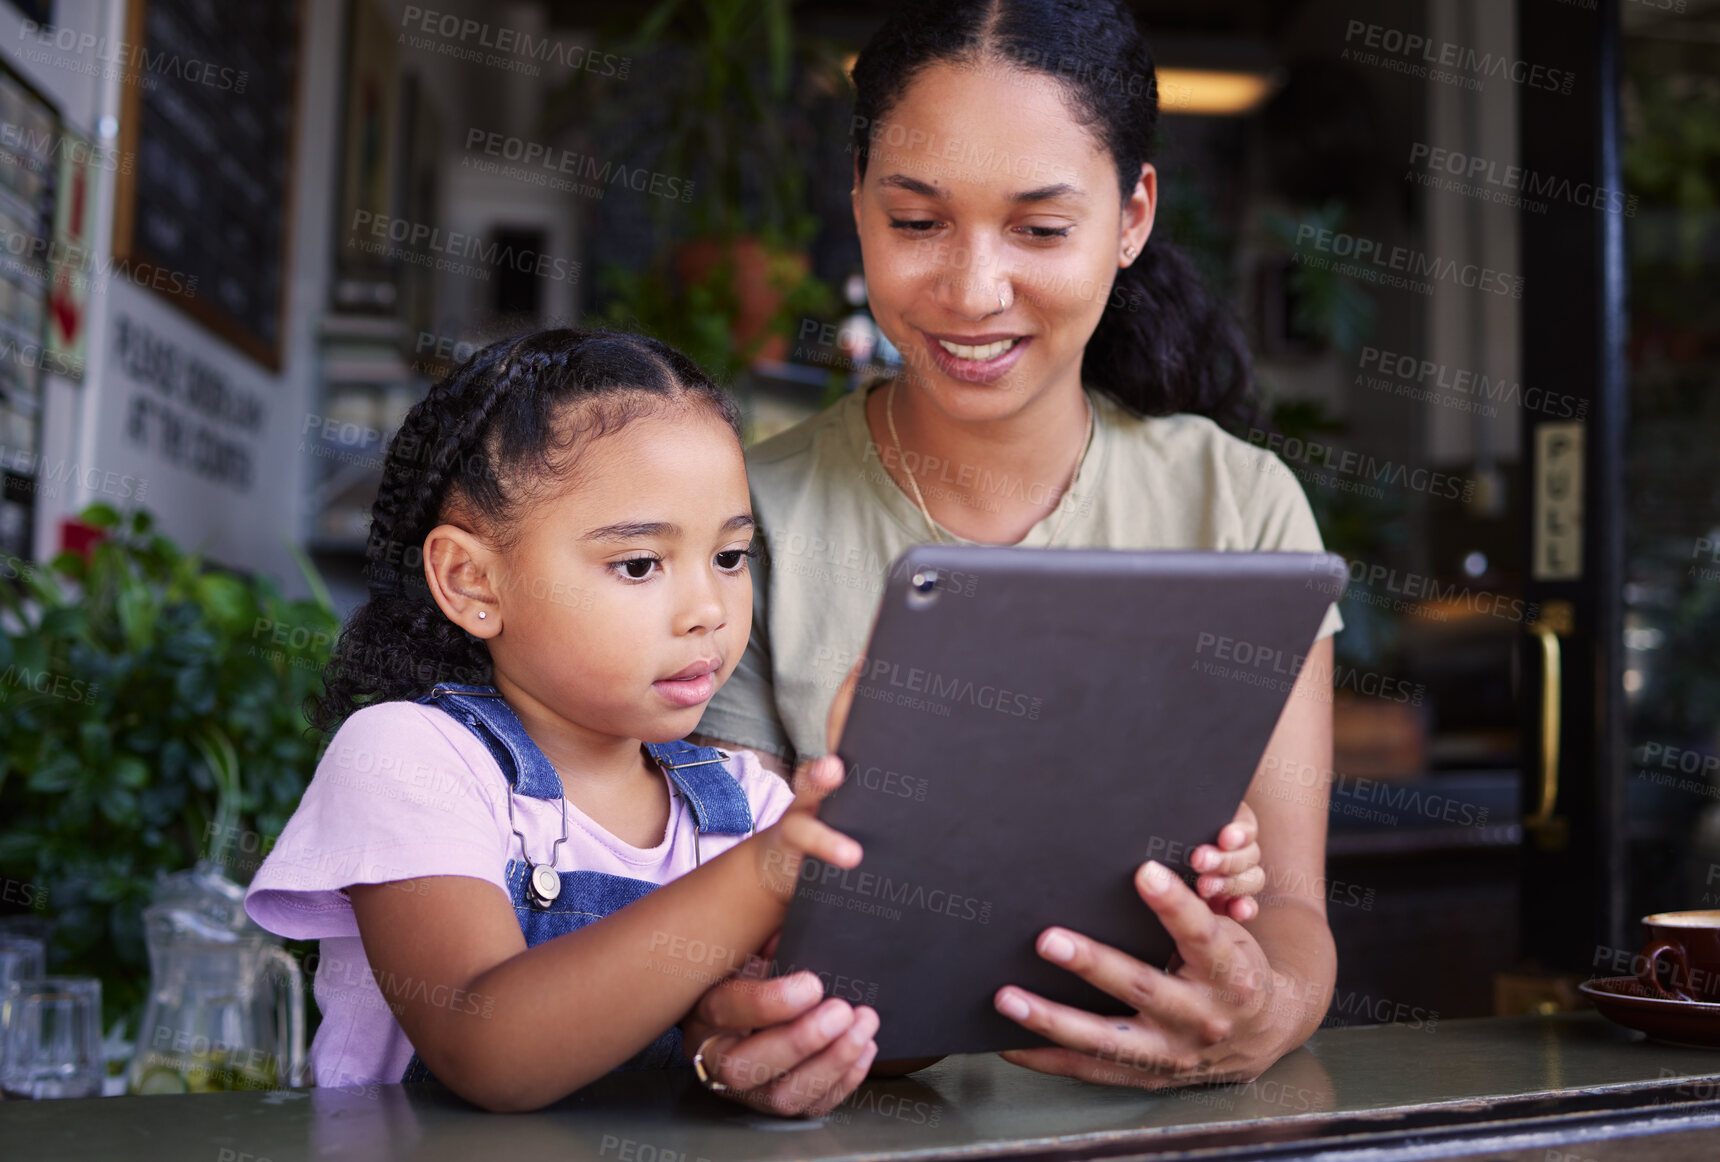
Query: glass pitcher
point(226, 1001)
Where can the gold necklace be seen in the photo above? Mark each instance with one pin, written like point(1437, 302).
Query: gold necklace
point(890, 419)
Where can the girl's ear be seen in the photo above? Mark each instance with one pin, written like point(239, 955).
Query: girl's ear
point(1138, 214)
point(464, 574)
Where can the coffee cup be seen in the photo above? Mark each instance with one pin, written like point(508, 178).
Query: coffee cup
point(1688, 943)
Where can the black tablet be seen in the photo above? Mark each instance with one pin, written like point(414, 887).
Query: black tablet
point(1029, 726)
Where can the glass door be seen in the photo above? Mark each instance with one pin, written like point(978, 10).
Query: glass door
point(1671, 631)
point(1370, 221)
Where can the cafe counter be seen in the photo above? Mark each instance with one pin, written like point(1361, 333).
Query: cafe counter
point(1570, 1087)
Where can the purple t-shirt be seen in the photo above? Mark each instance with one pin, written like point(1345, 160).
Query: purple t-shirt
point(403, 791)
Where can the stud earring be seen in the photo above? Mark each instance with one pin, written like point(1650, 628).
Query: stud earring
point(482, 615)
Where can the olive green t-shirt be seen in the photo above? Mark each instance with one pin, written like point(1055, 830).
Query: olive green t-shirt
point(832, 520)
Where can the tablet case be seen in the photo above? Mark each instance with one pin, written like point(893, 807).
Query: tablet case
point(1029, 727)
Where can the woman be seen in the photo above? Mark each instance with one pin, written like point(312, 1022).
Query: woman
point(1062, 376)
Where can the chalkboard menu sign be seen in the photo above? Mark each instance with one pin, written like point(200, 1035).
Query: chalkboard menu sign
point(203, 214)
point(30, 143)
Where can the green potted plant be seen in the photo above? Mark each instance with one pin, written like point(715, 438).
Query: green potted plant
point(152, 716)
point(698, 316)
point(718, 112)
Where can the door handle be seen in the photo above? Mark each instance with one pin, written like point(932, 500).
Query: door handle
point(1557, 617)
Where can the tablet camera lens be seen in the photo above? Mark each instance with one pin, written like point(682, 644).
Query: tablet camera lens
point(922, 589)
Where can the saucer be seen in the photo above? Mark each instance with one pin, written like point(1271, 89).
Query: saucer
point(1624, 1001)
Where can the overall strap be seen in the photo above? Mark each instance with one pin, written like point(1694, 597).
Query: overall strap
point(715, 797)
point(487, 714)
point(718, 801)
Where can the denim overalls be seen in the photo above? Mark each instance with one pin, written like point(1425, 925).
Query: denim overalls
point(717, 800)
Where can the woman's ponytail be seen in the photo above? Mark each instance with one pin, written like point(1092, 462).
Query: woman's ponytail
point(1167, 344)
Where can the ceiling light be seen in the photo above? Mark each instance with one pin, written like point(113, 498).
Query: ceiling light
point(1211, 93)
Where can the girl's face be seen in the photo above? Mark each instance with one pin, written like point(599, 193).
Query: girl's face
point(980, 184)
point(627, 599)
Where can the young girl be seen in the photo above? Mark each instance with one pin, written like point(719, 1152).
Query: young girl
point(519, 879)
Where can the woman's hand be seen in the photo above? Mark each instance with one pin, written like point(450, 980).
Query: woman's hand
point(1223, 1014)
point(778, 1045)
point(1233, 999)
point(1231, 875)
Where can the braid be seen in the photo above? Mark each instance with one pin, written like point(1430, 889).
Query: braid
point(368, 663)
point(409, 504)
point(497, 418)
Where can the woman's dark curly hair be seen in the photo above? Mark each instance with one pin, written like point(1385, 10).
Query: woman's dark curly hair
point(478, 447)
point(1165, 343)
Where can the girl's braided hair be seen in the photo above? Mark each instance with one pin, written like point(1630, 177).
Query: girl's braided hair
point(483, 442)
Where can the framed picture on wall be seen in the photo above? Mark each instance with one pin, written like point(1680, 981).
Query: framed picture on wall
point(27, 198)
point(420, 160)
point(204, 218)
point(371, 185)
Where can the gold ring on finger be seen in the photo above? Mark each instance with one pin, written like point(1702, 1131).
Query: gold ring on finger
point(703, 1071)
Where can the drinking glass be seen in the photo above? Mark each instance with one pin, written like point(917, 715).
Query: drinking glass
point(21, 958)
point(31, 927)
point(53, 1041)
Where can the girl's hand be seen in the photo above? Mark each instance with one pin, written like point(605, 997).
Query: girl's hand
point(784, 844)
point(1231, 875)
point(799, 833)
point(1221, 1015)
point(779, 1046)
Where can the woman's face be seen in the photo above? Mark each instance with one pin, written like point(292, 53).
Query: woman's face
point(992, 232)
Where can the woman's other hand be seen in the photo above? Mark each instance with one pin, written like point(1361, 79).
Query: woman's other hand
point(1219, 1016)
point(1233, 999)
